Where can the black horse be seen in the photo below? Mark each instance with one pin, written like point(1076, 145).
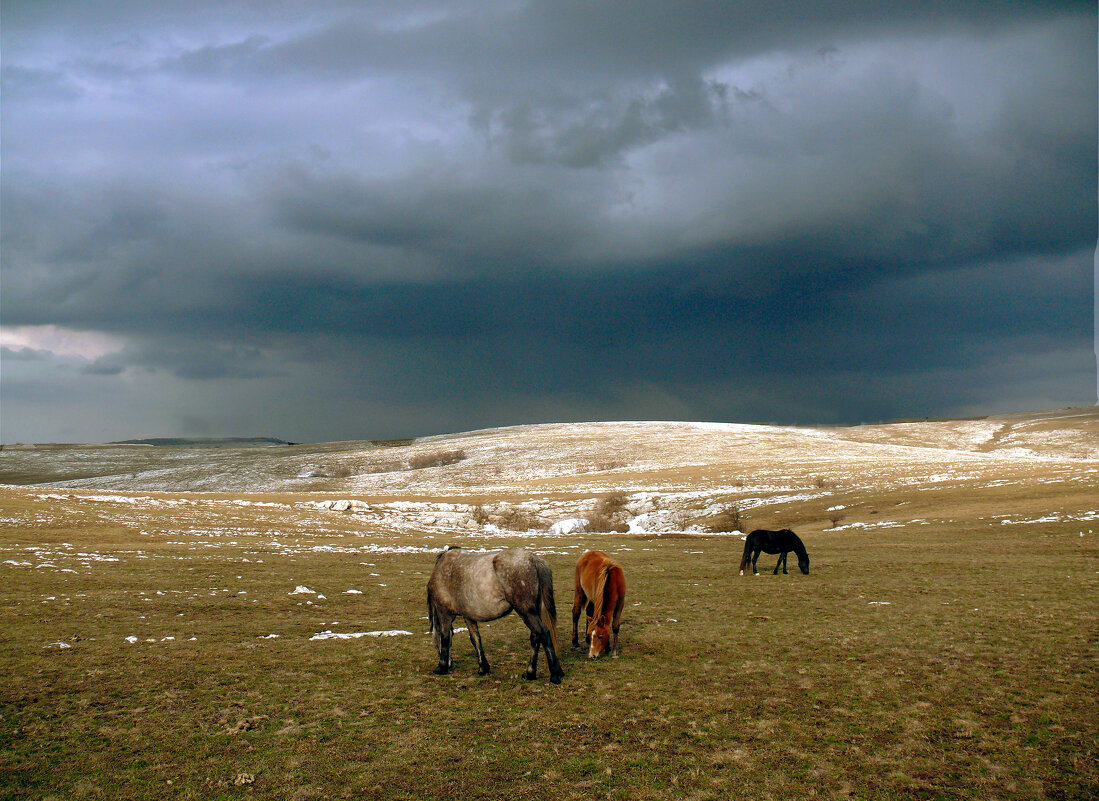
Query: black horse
point(780, 542)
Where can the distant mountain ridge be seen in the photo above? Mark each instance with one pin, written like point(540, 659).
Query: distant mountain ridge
point(204, 442)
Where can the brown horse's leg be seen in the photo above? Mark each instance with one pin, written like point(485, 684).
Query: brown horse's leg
point(478, 646)
point(577, 608)
point(616, 622)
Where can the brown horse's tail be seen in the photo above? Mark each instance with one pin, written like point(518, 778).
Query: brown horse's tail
point(549, 608)
point(600, 591)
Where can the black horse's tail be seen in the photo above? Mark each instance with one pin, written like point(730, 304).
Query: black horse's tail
point(747, 553)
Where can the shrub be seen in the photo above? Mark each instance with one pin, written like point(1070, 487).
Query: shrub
point(436, 459)
point(518, 520)
point(606, 516)
point(726, 520)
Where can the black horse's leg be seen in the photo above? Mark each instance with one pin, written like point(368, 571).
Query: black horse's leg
point(784, 554)
point(755, 558)
point(444, 632)
point(779, 563)
point(478, 646)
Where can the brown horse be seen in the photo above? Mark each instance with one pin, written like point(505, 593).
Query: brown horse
point(601, 592)
point(487, 586)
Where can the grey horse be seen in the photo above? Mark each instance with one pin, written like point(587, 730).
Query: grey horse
point(485, 586)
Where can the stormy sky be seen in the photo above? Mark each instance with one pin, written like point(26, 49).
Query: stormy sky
point(352, 220)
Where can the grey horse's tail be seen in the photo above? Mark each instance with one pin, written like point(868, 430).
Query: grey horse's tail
point(548, 607)
point(430, 612)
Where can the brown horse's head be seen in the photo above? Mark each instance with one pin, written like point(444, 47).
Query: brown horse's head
point(599, 635)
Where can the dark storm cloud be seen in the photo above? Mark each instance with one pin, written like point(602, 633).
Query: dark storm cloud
point(468, 210)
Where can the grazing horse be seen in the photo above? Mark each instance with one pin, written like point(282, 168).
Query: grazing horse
point(486, 586)
point(780, 542)
point(601, 592)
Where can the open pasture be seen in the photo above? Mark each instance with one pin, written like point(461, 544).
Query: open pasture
point(195, 645)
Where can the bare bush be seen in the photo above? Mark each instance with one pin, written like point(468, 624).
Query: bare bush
point(608, 513)
point(479, 515)
point(436, 459)
point(384, 467)
point(835, 519)
point(518, 520)
point(727, 520)
point(612, 465)
point(602, 524)
point(611, 504)
point(329, 471)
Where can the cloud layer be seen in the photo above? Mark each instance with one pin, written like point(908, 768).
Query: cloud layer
point(348, 220)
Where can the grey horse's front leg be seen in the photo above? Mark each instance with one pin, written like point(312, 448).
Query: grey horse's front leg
point(478, 646)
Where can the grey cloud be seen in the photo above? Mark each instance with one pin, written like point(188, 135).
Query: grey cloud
point(28, 83)
point(101, 368)
point(454, 216)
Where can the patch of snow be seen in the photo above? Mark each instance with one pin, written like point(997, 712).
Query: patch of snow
point(301, 589)
point(572, 525)
point(330, 635)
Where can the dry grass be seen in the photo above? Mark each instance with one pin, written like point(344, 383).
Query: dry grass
point(935, 651)
point(442, 458)
point(954, 661)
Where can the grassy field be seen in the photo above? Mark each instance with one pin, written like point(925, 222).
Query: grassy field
point(158, 640)
point(938, 661)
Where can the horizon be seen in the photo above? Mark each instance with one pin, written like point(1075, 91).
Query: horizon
point(276, 441)
point(366, 222)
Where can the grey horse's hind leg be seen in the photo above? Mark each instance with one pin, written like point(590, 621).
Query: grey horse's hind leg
point(532, 668)
point(540, 637)
point(478, 646)
point(443, 626)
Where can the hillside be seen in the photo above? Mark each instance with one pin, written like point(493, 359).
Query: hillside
point(664, 476)
point(232, 621)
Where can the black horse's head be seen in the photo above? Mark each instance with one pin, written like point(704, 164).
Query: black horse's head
point(803, 563)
